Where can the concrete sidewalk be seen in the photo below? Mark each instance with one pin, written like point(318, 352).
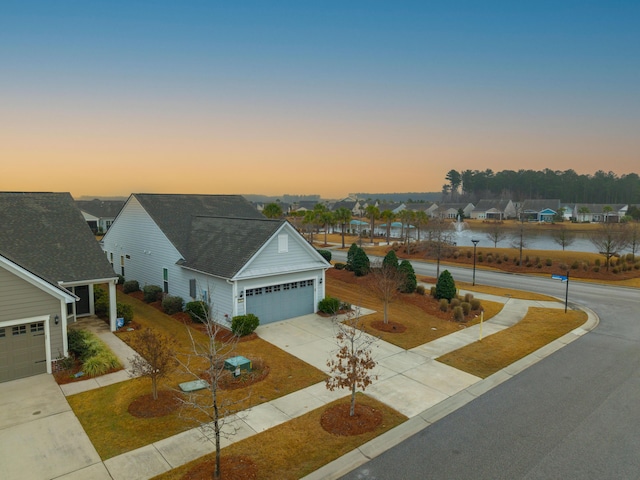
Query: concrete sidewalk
point(411, 381)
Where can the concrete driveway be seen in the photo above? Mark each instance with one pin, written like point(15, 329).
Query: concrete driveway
point(40, 437)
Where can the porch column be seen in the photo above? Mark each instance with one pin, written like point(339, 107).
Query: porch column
point(112, 306)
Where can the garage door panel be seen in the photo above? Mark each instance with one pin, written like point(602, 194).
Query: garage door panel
point(279, 302)
point(23, 351)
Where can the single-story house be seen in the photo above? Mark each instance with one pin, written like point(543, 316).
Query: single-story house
point(452, 210)
point(218, 249)
point(49, 263)
point(539, 210)
point(599, 212)
point(488, 209)
point(99, 214)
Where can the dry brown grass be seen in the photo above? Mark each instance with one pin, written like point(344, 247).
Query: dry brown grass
point(113, 430)
point(495, 352)
point(298, 447)
point(423, 324)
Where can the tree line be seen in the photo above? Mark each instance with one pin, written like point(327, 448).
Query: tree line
point(567, 185)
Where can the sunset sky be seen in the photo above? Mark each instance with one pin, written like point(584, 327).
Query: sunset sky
point(320, 97)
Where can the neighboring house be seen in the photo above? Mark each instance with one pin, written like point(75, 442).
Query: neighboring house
point(451, 210)
point(49, 262)
point(217, 249)
point(599, 212)
point(539, 210)
point(99, 214)
point(355, 206)
point(487, 209)
point(428, 207)
point(395, 208)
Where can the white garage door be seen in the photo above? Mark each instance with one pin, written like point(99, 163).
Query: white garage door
point(22, 351)
point(279, 302)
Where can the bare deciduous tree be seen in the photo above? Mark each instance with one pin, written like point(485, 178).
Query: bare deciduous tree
point(563, 237)
point(610, 239)
point(385, 282)
point(155, 358)
point(496, 233)
point(206, 407)
point(352, 364)
point(439, 239)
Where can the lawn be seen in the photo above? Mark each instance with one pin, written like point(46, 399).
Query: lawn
point(298, 447)
point(419, 313)
point(104, 414)
point(538, 328)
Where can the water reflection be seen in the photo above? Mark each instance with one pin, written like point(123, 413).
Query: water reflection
point(535, 240)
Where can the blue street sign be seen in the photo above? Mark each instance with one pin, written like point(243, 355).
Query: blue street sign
point(559, 277)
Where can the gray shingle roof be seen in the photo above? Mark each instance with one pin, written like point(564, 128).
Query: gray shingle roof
point(46, 234)
point(101, 208)
point(173, 212)
point(487, 204)
point(537, 205)
point(222, 246)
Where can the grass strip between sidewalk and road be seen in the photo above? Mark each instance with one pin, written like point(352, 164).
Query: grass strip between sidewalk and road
point(539, 327)
point(298, 447)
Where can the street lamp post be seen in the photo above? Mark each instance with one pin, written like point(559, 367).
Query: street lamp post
point(475, 244)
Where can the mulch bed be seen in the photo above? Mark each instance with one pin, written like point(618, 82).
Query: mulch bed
point(146, 407)
point(337, 421)
point(232, 467)
point(64, 377)
point(223, 334)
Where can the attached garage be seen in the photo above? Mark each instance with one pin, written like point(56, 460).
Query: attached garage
point(279, 302)
point(22, 351)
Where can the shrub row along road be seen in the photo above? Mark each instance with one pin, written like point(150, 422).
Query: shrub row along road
point(574, 415)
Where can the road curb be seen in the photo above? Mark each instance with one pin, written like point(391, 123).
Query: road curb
point(393, 437)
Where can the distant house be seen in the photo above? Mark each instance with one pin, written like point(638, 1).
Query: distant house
point(394, 208)
point(452, 210)
point(49, 263)
point(539, 210)
point(217, 249)
point(599, 212)
point(355, 206)
point(428, 207)
point(99, 214)
point(499, 210)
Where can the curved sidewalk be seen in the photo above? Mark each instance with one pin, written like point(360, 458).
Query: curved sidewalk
point(411, 381)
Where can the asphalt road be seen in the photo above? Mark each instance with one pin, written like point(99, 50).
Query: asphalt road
point(574, 415)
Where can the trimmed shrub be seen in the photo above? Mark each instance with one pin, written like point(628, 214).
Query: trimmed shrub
point(411, 282)
point(458, 314)
point(130, 286)
point(475, 304)
point(468, 297)
point(390, 259)
point(636, 266)
point(361, 263)
point(432, 291)
point(101, 306)
point(326, 254)
point(172, 304)
point(575, 265)
point(420, 290)
point(597, 262)
point(120, 279)
point(242, 325)
point(549, 262)
point(76, 340)
point(469, 253)
point(615, 270)
point(480, 258)
point(329, 305)
point(125, 312)
point(350, 254)
point(466, 307)
point(596, 269)
point(444, 304)
point(198, 311)
point(455, 302)
point(446, 287)
point(152, 293)
point(563, 266)
point(340, 266)
point(505, 257)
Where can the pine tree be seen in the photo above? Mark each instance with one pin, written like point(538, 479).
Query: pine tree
point(446, 286)
point(361, 263)
point(350, 254)
point(390, 259)
point(410, 283)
